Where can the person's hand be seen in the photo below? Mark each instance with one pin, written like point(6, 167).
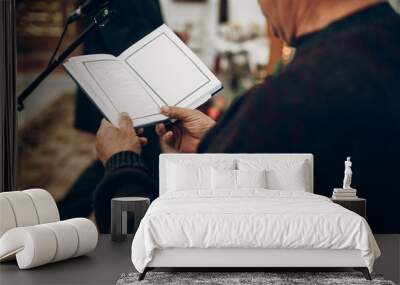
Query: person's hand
point(111, 140)
point(186, 134)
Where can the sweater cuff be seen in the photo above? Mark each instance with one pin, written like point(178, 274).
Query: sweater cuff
point(124, 159)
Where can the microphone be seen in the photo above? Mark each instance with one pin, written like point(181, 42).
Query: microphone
point(87, 8)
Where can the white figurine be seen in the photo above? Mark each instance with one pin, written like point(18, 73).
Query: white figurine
point(347, 174)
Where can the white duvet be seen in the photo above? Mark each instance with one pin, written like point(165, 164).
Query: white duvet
point(250, 219)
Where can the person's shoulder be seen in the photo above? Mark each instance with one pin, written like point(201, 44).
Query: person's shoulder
point(339, 62)
point(355, 54)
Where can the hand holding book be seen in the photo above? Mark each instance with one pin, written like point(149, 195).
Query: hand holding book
point(159, 70)
point(187, 133)
point(111, 140)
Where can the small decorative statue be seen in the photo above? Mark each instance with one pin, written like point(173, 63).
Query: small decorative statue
point(347, 174)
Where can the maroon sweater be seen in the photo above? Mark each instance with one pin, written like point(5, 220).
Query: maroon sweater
point(339, 97)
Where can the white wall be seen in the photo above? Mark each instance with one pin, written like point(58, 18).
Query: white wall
point(204, 19)
point(246, 12)
point(178, 13)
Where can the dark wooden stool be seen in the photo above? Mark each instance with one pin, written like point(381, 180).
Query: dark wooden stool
point(119, 210)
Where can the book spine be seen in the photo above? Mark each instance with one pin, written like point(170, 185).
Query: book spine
point(344, 198)
point(344, 191)
point(345, 194)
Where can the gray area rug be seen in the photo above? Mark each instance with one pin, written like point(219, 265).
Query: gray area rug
point(269, 278)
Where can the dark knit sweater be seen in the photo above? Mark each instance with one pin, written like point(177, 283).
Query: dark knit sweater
point(339, 97)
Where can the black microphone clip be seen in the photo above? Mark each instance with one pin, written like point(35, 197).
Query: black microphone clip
point(87, 8)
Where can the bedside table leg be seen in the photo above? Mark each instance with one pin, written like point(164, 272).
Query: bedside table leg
point(364, 271)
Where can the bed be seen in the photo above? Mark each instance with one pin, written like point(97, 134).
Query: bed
point(247, 211)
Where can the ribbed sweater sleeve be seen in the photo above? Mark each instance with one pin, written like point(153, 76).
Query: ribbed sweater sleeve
point(126, 176)
point(124, 159)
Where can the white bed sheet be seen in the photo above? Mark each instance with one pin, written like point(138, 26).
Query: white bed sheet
point(251, 218)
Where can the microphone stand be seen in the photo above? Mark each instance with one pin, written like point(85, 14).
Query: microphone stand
point(99, 20)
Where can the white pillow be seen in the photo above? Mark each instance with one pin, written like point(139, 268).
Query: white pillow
point(293, 179)
point(182, 177)
point(195, 174)
point(223, 179)
point(291, 175)
point(235, 179)
point(251, 178)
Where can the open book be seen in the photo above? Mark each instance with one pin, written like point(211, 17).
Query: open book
point(158, 70)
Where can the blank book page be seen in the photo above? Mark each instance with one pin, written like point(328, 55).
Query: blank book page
point(166, 70)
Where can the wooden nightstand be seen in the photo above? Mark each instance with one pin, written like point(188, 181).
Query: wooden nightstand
point(358, 205)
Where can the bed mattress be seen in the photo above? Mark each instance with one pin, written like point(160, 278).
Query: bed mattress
point(251, 219)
